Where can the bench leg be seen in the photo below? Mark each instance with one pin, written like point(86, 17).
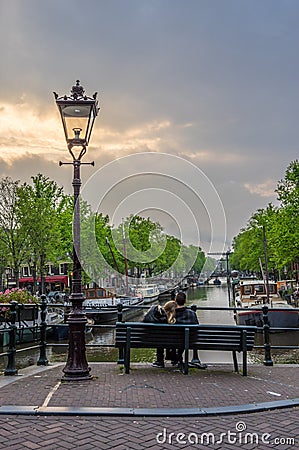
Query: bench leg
point(235, 362)
point(186, 365)
point(127, 360)
point(244, 339)
point(127, 351)
point(186, 356)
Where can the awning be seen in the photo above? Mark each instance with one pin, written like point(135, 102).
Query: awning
point(48, 279)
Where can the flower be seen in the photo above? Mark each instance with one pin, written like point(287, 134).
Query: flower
point(17, 295)
point(21, 296)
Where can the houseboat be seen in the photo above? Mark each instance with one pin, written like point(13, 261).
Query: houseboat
point(252, 294)
point(149, 292)
point(101, 305)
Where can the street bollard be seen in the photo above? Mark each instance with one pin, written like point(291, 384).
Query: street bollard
point(267, 346)
point(43, 330)
point(11, 353)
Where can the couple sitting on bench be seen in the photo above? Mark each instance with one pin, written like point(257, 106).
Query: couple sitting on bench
point(174, 311)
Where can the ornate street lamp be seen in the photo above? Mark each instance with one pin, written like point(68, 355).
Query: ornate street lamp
point(78, 113)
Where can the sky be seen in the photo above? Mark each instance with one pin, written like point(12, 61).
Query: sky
point(199, 105)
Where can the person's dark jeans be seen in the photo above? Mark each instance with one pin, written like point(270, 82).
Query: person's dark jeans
point(160, 354)
point(171, 355)
point(180, 355)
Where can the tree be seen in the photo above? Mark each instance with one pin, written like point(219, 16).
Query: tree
point(281, 226)
point(288, 188)
point(199, 259)
point(171, 257)
point(13, 236)
point(144, 241)
point(287, 226)
point(95, 230)
point(249, 245)
point(37, 212)
point(64, 216)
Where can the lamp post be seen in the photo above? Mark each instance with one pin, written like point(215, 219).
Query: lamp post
point(78, 113)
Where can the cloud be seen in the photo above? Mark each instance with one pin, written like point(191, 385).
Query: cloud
point(216, 85)
point(23, 129)
point(265, 189)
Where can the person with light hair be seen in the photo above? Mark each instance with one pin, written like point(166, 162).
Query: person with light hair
point(159, 314)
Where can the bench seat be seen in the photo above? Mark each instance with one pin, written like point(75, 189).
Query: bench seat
point(234, 338)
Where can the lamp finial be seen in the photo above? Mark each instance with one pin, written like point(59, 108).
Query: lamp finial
point(77, 91)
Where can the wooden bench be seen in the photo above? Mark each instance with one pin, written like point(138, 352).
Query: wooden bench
point(233, 338)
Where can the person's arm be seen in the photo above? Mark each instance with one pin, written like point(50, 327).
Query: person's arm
point(195, 318)
point(148, 318)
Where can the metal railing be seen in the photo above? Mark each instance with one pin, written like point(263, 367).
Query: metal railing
point(14, 325)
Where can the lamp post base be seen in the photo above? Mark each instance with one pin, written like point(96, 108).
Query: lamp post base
point(76, 368)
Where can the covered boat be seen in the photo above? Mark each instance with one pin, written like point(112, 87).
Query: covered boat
point(252, 294)
point(149, 292)
point(101, 305)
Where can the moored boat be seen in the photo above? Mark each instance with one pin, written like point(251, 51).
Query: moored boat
point(166, 292)
point(149, 292)
point(101, 305)
point(252, 294)
point(217, 281)
point(60, 331)
point(28, 324)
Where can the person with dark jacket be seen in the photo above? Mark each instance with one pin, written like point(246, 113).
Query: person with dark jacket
point(156, 314)
point(185, 315)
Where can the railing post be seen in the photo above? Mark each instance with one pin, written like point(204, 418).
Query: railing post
point(119, 312)
point(195, 359)
point(43, 330)
point(121, 357)
point(267, 346)
point(11, 353)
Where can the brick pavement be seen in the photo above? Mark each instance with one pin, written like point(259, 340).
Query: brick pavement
point(86, 433)
point(147, 387)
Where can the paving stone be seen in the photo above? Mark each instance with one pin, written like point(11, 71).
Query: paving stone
point(147, 387)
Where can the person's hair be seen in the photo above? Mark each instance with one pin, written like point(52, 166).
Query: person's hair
point(169, 308)
point(180, 298)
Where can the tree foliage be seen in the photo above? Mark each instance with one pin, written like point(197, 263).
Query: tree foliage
point(281, 228)
point(37, 212)
point(13, 235)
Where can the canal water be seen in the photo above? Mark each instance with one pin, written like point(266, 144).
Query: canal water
point(208, 297)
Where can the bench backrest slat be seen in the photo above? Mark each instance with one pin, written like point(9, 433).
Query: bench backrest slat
point(146, 335)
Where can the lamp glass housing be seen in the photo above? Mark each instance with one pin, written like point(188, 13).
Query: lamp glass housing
point(77, 115)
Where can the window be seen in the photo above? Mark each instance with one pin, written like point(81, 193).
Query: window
point(49, 269)
point(247, 290)
point(259, 289)
point(26, 271)
point(63, 268)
